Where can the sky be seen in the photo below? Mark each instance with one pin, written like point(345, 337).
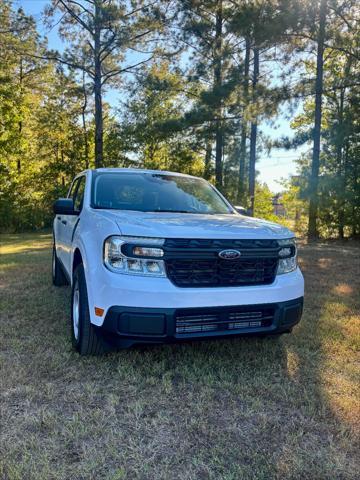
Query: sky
point(279, 164)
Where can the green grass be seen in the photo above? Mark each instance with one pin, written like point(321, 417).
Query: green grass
point(237, 409)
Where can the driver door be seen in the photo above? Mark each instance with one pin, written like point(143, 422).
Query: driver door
point(60, 224)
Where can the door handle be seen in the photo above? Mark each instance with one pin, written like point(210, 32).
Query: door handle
point(64, 222)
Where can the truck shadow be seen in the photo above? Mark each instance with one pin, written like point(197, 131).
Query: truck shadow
point(285, 388)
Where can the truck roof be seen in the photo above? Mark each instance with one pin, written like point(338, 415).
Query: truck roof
point(140, 170)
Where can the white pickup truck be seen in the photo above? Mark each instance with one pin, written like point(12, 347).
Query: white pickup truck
point(156, 257)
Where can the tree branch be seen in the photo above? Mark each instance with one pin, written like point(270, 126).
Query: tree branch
point(82, 7)
point(76, 17)
point(337, 12)
point(113, 73)
point(107, 44)
point(140, 8)
point(55, 59)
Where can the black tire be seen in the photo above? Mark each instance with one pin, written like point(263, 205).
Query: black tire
point(86, 340)
point(279, 334)
point(58, 277)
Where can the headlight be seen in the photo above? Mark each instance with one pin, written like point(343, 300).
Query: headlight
point(287, 256)
point(134, 255)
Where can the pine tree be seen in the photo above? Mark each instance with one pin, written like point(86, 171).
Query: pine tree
point(206, 34)
point(99, 34)
point(263, 26)
point(152, 124)
point(330, 35)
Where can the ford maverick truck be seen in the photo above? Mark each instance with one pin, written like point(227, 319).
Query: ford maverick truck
point(156, 257)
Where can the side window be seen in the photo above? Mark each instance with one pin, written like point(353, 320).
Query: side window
point(79, 194)
point(73, 188)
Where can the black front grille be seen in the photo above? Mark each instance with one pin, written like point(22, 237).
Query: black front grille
point(221, 273)
point(223, 319)
point(196, 263)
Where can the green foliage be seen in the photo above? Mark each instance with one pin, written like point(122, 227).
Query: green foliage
point(296, 208)
point(339, 187)
point(41, 139)
point(156, 103)
point(263, 203)
point(187, 107)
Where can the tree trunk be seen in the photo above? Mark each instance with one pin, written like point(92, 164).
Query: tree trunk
point(207, 166)
point(339, 159)
point(355, 205)
point(341, 155)
point(242, 153)
point(98, 92)
point(253, 135)
point(315, 166)
point(218, 83)
point(83, 116)
point(21, 79)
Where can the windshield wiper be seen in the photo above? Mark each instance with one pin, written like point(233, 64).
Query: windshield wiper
point(171, 211)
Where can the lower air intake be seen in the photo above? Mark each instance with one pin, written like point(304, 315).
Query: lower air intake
point(222, 320)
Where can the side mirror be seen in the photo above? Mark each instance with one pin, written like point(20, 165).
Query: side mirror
point(64, 206)
point(242, 210)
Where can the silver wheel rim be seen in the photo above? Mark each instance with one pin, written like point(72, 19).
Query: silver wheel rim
point(76, 310)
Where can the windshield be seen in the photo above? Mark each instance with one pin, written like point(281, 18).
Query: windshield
point(148, 192)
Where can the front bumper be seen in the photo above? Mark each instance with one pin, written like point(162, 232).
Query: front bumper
point(107, 289)
point(126, 326)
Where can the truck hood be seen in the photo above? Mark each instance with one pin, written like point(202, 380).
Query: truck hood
point(185, 225)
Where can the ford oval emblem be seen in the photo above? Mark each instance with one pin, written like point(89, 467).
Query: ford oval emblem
point(229, 254)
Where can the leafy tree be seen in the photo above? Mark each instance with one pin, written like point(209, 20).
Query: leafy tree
point(41, 142)
point(19, 92)
point(295, 205)
point(263, 207)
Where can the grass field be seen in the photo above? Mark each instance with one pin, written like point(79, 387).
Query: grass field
point(250, 408)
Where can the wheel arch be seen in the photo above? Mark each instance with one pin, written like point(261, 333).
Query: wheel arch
point(77, 259)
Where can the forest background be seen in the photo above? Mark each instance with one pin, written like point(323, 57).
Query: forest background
point(261, 97)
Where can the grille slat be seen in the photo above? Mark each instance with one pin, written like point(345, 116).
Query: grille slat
point(202, 243)
point(197, 318)
point(241, 315)
point(222, 320)
point(196, 262)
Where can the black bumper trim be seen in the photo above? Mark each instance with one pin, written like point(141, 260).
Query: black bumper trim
point(125, 326)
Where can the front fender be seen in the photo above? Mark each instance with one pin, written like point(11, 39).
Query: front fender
point(89, 239)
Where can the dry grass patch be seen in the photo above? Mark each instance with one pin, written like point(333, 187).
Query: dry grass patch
point(235, 409)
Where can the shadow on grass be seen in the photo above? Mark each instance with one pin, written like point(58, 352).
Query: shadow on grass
point(321, 351)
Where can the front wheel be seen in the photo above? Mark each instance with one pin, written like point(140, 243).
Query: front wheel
point(58, 277)
point(85, 338)
point(279, 334)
